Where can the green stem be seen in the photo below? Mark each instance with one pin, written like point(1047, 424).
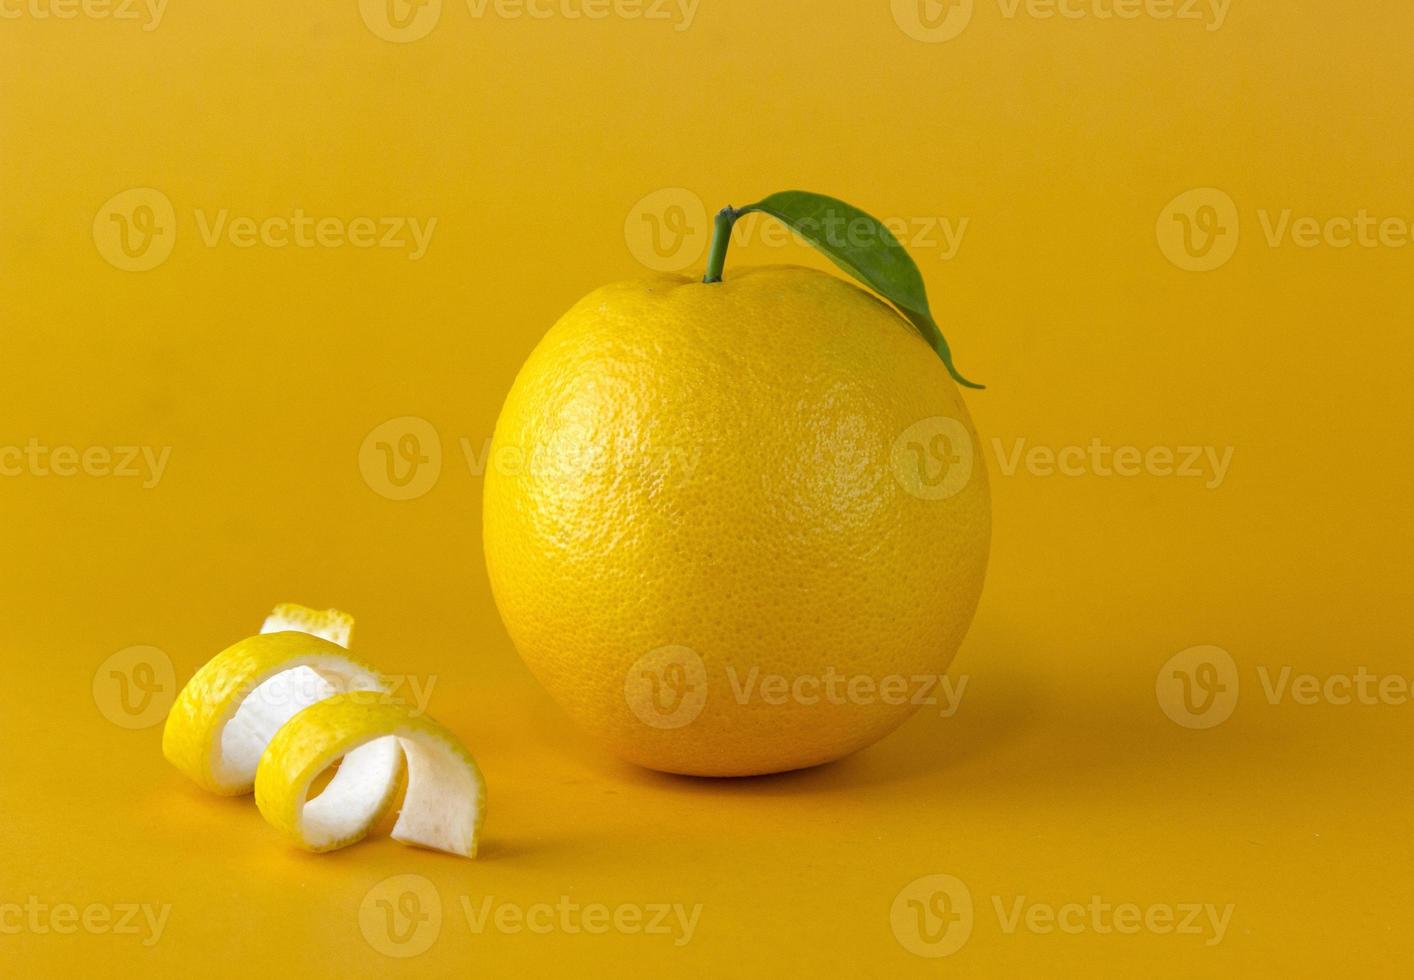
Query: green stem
point(721, 238)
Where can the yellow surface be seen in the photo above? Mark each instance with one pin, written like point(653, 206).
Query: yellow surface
point(543, 148)
point(696, 568)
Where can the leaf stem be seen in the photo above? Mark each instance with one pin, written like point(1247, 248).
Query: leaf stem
point(721, 238)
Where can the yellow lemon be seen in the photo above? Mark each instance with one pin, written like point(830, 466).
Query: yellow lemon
point(736, 527)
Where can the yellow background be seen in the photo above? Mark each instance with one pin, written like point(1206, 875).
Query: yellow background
point(1061, 141)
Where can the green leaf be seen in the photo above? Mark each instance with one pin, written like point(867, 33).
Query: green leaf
point(862, 246)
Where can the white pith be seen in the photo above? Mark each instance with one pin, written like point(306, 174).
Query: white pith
point(443, 799)
point(356, 795)
point(274, 701)
point(439, 808)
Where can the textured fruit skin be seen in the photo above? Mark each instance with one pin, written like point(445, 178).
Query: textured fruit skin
point(710, 467)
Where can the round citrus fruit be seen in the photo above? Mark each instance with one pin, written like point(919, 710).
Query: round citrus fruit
point(736, 527)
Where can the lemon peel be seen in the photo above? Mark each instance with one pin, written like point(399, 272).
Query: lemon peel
point(334, 625)
point(274, 711)
point(222, 721)
point(444, 804)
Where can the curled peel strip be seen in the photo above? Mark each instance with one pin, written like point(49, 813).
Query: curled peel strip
point(275, 710)
point(226, 715)
point(445, 799)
